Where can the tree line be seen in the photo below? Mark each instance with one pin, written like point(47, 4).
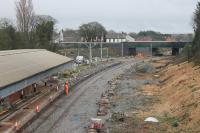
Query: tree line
point(194, 49)
point(30, 31)
point(37, 31)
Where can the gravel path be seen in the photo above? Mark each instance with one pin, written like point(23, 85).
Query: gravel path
point(71, 114)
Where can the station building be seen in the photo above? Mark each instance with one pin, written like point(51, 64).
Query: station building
point(21, 70)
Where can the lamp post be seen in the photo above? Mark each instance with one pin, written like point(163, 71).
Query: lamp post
point(151, 52)
point(101, 46)
point(122, 50)
point(90, 52)
point(78, 49)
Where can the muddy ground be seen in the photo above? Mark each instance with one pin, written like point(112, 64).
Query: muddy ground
point(164, 89)
point(130, 101)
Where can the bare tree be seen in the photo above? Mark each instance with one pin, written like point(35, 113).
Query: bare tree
point(25, 16)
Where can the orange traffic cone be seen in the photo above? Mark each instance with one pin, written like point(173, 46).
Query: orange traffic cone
point(37, 109)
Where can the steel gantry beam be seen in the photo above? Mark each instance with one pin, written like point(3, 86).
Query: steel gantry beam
point(135, 44)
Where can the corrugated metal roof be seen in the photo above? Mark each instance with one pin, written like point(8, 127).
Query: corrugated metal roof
point(16, 65)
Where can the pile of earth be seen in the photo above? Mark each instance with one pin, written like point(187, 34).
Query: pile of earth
point(145, 68)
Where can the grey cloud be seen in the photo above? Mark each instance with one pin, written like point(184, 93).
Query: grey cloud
point(172, 16)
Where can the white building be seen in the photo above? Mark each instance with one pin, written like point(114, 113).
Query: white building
point(58, 38)
point(129, 38)
point(113, 37)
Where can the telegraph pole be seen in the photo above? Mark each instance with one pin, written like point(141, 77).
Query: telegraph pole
point(107, 52)
point(122, 45)
point(122, 49)
point(101, 46)
point(78, 49)
point(151, 52)
point(90, 54)
point(101, 51)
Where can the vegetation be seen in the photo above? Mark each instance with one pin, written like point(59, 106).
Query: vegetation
point(92, 31)
point(32, 31)
point(157, 36)
point(154, 35)
point(36, 31)
point(44, 32)
point(187, 52)
point(196, 41)
point(166, 118)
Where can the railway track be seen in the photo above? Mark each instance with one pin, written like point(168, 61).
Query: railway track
point(23, 104)
point(61, 107)
point(46, 92)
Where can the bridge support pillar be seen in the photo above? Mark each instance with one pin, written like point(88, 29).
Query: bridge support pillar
point(132, 52)
point(175, 51)
point(155, 51)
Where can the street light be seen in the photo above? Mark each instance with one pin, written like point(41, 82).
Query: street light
point(101, 46)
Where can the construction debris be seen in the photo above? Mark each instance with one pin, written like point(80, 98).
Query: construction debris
point(145, 68)
point(104, 102)
point(102, 111)
point(151, 119)
point(96, 126)
point(118, 116)
point(110, 93)
point(103, 106)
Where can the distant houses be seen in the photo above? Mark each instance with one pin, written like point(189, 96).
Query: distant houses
point(67, 36)
point(113, 37)
point(73, 36)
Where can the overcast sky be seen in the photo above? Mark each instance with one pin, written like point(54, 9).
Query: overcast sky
point(167, 16)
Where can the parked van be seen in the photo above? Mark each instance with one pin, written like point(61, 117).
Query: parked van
point(79, 59)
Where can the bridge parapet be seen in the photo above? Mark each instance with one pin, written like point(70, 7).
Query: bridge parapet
point(156, 44)
point(136, 44)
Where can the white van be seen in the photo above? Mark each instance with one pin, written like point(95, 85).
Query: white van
point(79, 59)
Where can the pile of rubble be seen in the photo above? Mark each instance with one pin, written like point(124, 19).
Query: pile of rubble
point(118, 116)
point(104, 102)
point(145, 67)
point(96, 124)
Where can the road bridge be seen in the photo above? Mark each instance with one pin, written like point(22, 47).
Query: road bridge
point(154, 45)
point(130, 48)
